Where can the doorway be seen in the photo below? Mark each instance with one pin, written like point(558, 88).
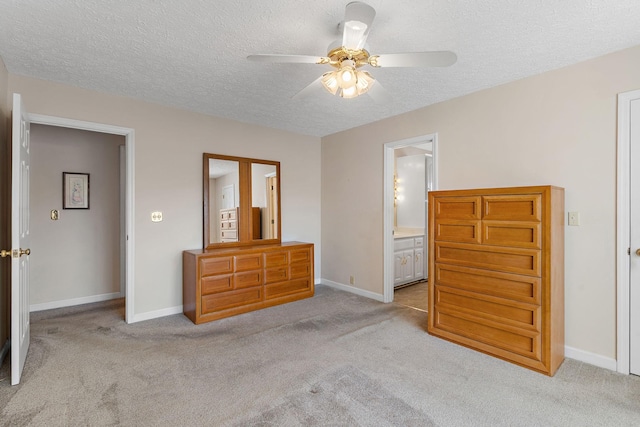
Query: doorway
point(413, 221)
point(628, 236)
point(128, 175)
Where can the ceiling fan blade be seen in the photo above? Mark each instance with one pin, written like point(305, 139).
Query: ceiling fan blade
point(358, 18)
point(414, 59)
point(379, 94)
point(313, 87)
point(295, 59)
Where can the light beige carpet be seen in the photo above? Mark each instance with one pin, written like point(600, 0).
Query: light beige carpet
point(335, 359)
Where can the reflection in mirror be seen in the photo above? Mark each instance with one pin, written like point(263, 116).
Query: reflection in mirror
point(224, 200)
point(264, 201)
point(241, 200)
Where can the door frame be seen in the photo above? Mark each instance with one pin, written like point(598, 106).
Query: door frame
point(623, 218)
point(388, 195)
point(129, 137)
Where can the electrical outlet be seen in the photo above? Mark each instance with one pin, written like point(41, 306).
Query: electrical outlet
point(352, 280)
point(156, 216)
point(574, 218)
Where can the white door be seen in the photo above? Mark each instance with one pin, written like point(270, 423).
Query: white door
point(634, 262)
point(19, 239)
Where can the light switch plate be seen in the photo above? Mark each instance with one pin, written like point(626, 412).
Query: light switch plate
point(574, 218)
point(156, 216)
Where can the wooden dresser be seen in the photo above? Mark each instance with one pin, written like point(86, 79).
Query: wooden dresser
point(220, 283)
point(496, 272)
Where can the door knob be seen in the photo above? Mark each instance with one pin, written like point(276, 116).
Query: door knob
point(17, 253)
point(638, 252)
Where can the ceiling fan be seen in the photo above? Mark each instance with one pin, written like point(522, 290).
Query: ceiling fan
point(348, 57)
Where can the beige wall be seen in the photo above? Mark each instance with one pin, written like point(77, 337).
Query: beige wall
point(5, 174)
point(168, 176)
point(556, 128)
point(76, 258)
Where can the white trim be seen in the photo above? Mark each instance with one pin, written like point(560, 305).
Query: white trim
point(389, 147)
point(129, 137)
point(74, 301)
point(157, 314)
point(622, 228)
point(590, 358)
point(353, 290)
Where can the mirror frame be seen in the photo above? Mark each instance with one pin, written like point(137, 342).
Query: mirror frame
point(245, 202)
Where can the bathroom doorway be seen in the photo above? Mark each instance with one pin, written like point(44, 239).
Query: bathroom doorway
point(410, 171)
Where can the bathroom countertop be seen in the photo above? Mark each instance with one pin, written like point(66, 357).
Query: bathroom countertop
point(404, 235)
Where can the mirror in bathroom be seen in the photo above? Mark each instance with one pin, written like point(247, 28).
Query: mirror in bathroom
point(241, 199)
point(413, 179)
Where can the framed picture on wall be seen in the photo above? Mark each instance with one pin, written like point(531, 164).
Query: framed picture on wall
point(75, 190)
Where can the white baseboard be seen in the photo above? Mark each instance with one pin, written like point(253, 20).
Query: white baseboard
point(156, 314)
point(74, 301)
point(353, 290)
point(590, 358)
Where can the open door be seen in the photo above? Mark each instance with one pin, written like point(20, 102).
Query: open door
point(19, 252)
point(272, 207)
point(634, 238)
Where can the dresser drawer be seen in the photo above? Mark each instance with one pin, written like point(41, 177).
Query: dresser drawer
point(272, 259)
point(216, 265)
point(520, 207)
point(214, 284)
point(515, 287)
point(247, 279)
point(217, 302)
point(511, 233)
point(463, 231)
point(512, 260)
point(494, 336)
point(229, 234)
point(228, 225)
point(500, 310)
point(300, 255)
point(458, 207)
point(277, 274)
point(299, 270)
point(226, 215)
point(248, 262)
point(287, 288)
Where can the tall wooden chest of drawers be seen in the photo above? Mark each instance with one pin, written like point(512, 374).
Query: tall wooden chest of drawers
point(496, 272)
point(220, 283)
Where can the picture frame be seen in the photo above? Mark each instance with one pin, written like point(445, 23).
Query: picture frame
point(75, 190)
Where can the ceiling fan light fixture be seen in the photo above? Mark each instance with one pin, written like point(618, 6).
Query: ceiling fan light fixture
point(330, 82)
point(349, 92)
point(364, 82)
point(347, 74)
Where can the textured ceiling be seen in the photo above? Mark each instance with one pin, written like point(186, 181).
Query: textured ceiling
point(191, 54)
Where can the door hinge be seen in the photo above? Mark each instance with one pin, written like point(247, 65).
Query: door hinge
point(628, 251)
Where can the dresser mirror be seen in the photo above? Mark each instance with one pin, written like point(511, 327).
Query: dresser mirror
point(241, 199)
